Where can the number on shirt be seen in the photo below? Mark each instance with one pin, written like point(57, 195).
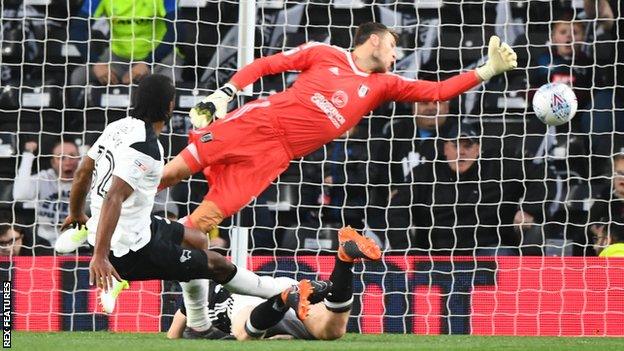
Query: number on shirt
point(103, 155)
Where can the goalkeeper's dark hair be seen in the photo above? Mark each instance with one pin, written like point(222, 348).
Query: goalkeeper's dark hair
point(365, 30)
point(152, 98)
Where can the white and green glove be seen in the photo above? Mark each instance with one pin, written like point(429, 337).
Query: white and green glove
point(213, 106)
point(501, 58)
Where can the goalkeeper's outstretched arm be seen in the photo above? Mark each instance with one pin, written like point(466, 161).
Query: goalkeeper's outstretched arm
point(215, 105)
point(501, 58)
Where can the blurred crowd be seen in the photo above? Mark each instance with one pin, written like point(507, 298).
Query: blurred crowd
point(479, 175)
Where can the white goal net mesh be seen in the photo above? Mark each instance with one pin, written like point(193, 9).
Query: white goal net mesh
point(499, 242)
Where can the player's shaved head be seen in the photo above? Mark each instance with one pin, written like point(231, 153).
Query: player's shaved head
point(365, 30)
point(153, 99)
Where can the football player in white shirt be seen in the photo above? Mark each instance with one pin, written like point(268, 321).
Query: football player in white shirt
point(123, 170)
point(327, 315)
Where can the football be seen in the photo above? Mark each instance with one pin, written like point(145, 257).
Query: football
point(555, 104)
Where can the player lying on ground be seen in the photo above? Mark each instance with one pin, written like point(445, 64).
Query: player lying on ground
point(245, 150)
point(126, 164)
point(275, 317)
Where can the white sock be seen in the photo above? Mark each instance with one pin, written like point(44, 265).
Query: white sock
point(282, 283)
point(249, 283)
point(195, 294)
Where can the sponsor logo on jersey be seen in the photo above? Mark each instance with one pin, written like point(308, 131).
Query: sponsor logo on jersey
point(329, 109)
point(362, 90)
point(141, 166)
point(340, 99)
point(186, 255)
point(334, 70)
point(206, 137)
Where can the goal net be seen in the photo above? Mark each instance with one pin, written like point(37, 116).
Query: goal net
point(489, 220)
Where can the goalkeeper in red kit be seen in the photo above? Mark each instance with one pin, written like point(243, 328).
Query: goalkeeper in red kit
point(243, 151)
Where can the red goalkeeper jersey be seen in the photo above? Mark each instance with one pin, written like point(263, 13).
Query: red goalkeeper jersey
point(331, 94)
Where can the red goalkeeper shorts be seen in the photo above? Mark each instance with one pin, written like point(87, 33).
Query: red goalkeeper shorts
point(240, 155)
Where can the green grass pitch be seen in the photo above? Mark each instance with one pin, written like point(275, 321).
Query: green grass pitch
point(104, 341)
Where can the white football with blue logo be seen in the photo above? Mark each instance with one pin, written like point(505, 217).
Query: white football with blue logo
point(555, 104)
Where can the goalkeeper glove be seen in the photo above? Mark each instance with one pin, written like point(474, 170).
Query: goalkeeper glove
point(501, 58)
point(215, 105)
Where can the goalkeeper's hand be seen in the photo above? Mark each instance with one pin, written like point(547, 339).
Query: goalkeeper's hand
point(501, 58)
point(213, 106)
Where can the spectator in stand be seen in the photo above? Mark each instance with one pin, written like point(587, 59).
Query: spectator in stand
point(608, 46)
point(10, 240)
point(572, 61)
point(48, 189)
point(566, 62)
point(466, 203)
point(141, 40)
point(405, 143)
point(609, 204)
point(346, 195)
point(606, 114)
point(610, 243)
point(334, 180)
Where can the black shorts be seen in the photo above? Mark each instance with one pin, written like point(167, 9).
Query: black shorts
point(163, 257)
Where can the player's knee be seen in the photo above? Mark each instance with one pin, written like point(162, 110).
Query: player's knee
point(238, 323)
point(201, 242)
point(206, 216)
point(195, 239)
point(219, 267)
point(333, 333)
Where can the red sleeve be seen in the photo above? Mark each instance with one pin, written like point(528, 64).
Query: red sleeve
point(409, 90)
point(297, 59)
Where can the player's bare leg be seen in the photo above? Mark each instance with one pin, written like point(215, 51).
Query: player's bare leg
point(328, 320)
point(177, 327)
point(205, 217)
point(195, 239)
point(325, 324)
point(238, 323)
